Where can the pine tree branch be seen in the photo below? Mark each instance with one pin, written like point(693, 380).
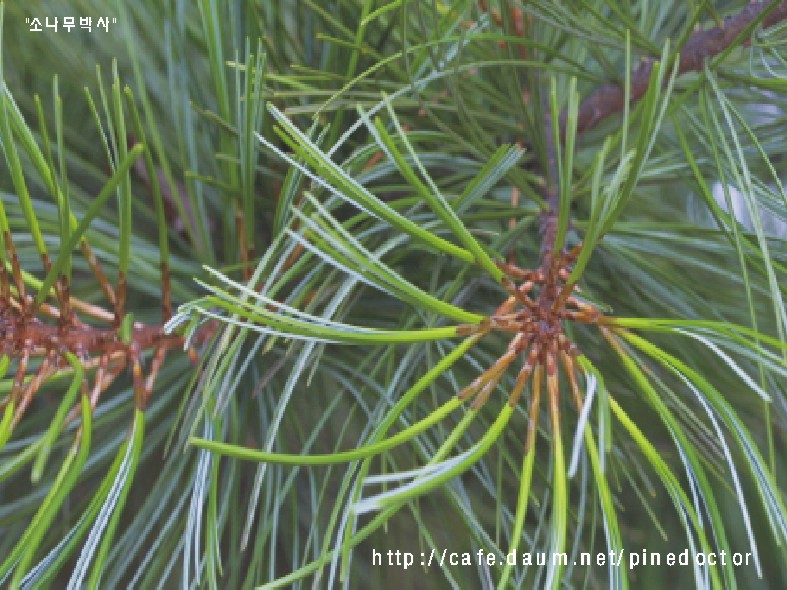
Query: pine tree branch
point(551, 196)
point(609, 98)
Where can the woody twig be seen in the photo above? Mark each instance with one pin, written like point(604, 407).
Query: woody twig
point(701, 46)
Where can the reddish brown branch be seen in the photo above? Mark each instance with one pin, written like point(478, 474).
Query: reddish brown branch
point(609, 99)
point(25, 334)
point(702, 45)
point(552, 197)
